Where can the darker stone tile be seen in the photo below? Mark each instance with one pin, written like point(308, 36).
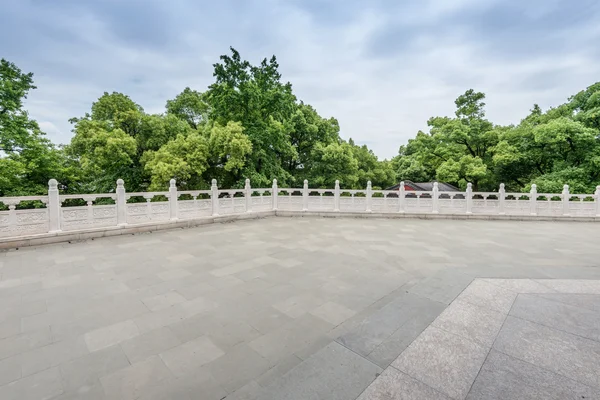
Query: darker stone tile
point(443, 361)
point(586, 301)
point(503, 377)
point(572, 319)
point(381, 324)
point(443, 286)
point(393, 384)
point(334, 373)
point(563, 353)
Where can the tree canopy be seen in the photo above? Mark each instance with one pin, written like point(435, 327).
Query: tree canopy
point(249, 124)
point(549, 148)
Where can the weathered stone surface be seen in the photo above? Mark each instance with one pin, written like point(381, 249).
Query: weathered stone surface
point(149, 344)
point(132, 381)
point(488, 295)
point(111, 335)
point(394, 385)
point(334, 373)
point(184, 358)
point(585, 301)
point(478, 324)
point(503, 377)
point(563, 353)
point(238, 367)
point(443, 361)
point(576, 320)
point(55, 296)
point(41, 386)
point(381, 324)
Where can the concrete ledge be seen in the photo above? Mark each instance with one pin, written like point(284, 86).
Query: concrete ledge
point(84, 234)
point(346, 214)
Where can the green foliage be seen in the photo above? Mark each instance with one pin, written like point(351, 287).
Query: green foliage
point(27, 159)
point(250, 124)
point(552, 148)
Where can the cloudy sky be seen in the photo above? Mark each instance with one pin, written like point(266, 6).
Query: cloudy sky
point(382, 67)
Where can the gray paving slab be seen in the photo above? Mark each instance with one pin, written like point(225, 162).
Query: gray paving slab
point(503, 377)
point(391, 347)
point(328, 275)
point(187, 357)
point(443, 286)
point(395, 385)
point(43, 385)
point(334, 373)
point(585, 301)
point(381, 324)
point(238, 367)
point(479, 324)
point(444, 361)
point(82, 374)
point(563, 353)
point(150, 344)
point(564, 317)
point(488, 295)
point(131, 382)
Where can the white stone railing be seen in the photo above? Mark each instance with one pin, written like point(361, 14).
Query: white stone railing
point(51, 215)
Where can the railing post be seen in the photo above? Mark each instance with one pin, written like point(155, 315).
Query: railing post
point(435, 198)
point(336, 196)
point(248, 194)
point(53, 206)
point(501, 197)
point(121, 203)
point(469, 195)
point(214, 197)
point(305, 196)
point(173, 199)
point(401, 198)
point(597, 200)
point(532, 200)
point(369, 196)
point(274, 194)
point(12, 213)
point(565, 199)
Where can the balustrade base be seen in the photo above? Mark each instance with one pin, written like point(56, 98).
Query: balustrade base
point(85, 234)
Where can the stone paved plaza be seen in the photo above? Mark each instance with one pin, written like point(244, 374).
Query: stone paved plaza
point(307, 309)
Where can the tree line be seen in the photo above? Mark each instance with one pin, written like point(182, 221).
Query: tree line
point(249, 124)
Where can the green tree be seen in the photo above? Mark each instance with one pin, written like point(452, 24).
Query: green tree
point(27, 158)
point(189, 106)
point(333, 162)
point(255, 97)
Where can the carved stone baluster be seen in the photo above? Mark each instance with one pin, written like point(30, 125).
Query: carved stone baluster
point(173, 198)
point(401, 198)
point(369, 196)
point(305, 196)
point(54, 205)
point(336, 196)
point(469, 196)
point(533, 200)
point(435, 193)
point(248, 194)
point(12, 214)
point(501, 197)
point(214, 197)
point(90, 210)
point(148, 207)
point(597, 201)
point(274, 195)
point(121, 203)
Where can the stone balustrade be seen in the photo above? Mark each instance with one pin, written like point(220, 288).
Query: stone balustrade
point(56, 213)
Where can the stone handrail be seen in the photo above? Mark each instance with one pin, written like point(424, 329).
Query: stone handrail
point(52, 216)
